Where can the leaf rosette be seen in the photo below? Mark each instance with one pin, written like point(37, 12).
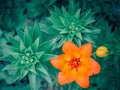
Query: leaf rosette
point(27, 53)
point(70, 24)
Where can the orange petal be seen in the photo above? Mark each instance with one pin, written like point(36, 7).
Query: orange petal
point(65, 79)
point(70, 48)
point(57, 62)
point(95, 67)
point(86, 49)
point(83, 82)
point(67, 57)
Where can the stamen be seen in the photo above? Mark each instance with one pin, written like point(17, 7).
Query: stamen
point(74, 63)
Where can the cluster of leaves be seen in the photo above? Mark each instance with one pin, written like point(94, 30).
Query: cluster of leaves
point(13, 13)
point(26, 54)
point(38, 29)
point(70, 24)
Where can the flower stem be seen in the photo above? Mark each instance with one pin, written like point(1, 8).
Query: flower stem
point(34, 81)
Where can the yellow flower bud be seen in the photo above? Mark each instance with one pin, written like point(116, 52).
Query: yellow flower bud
point(102, 51)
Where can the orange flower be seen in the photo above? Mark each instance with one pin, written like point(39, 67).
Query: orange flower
point(75, 64)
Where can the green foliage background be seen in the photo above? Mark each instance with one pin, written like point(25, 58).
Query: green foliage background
point(42, 26)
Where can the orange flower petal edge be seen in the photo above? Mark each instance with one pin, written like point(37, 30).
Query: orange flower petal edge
point(75, 64)
point(86, 49)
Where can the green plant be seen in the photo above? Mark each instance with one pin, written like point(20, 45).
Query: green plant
point(27, 55)
point(68, 23)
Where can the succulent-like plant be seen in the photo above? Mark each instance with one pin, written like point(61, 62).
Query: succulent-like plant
point(70, 24)
point(27, 55)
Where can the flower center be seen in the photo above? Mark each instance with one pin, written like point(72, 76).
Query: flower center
point(27, 59)
point(73, 28)
point(74, 63)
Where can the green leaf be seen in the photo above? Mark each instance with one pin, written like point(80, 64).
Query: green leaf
point(34, 81)
point(73, 7)
point(42, 69)
point(64, 21)
point(43, 72)
point(20, 33)
point(86, 15)
point(88, 38)
point(10, 66)
point(64, 31)
point(50, 30)
point(94, 30)
point(65, 13)
point(39, 54)
point(22, 46)
point(35, 45)
point(86, 30)
point(48, 79)
point(29, 50)
point(13, 49)
point(37, 32)
point(77, 14)
point(77, 41)
point(27, 38)
point(14, 75)
point(51, 2)
point(58, 11)
point(15, 55)
point(54, 15)
point(79, 35)
point(46, 57)
point(7, 58)
point(24, 87)
point(33, 69)
point(70, 37)
point(62, 41)
point(14, 42)
point(46, 45)
point(24, 73)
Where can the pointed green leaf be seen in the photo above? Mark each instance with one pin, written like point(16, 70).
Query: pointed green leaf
point(79, 35)
point(77, 41)
point(86, 15)
point(86, 30)
point(64, 21)
point(42, 69)
point(39, 54)
point(46, 57)
point(14, 42)
point(20, 33)
point(29, 50)
point(7, 58)
point(77, 14)
point(22, 46)
point(12, 49)
point(37, 32)
point(43, 72)
point(58, 11)
point(27, 40)
point(24, 73)
point(65, 13)
point(33, 70)
point(64, 31)
point(47, 78)
point(35, 45)
point(62, 41)
point(46, 45)
point(13, 76)
point(10, 66)
point(70, 37)
point(34, 81)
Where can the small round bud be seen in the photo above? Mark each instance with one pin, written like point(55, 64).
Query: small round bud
point(102, 51)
